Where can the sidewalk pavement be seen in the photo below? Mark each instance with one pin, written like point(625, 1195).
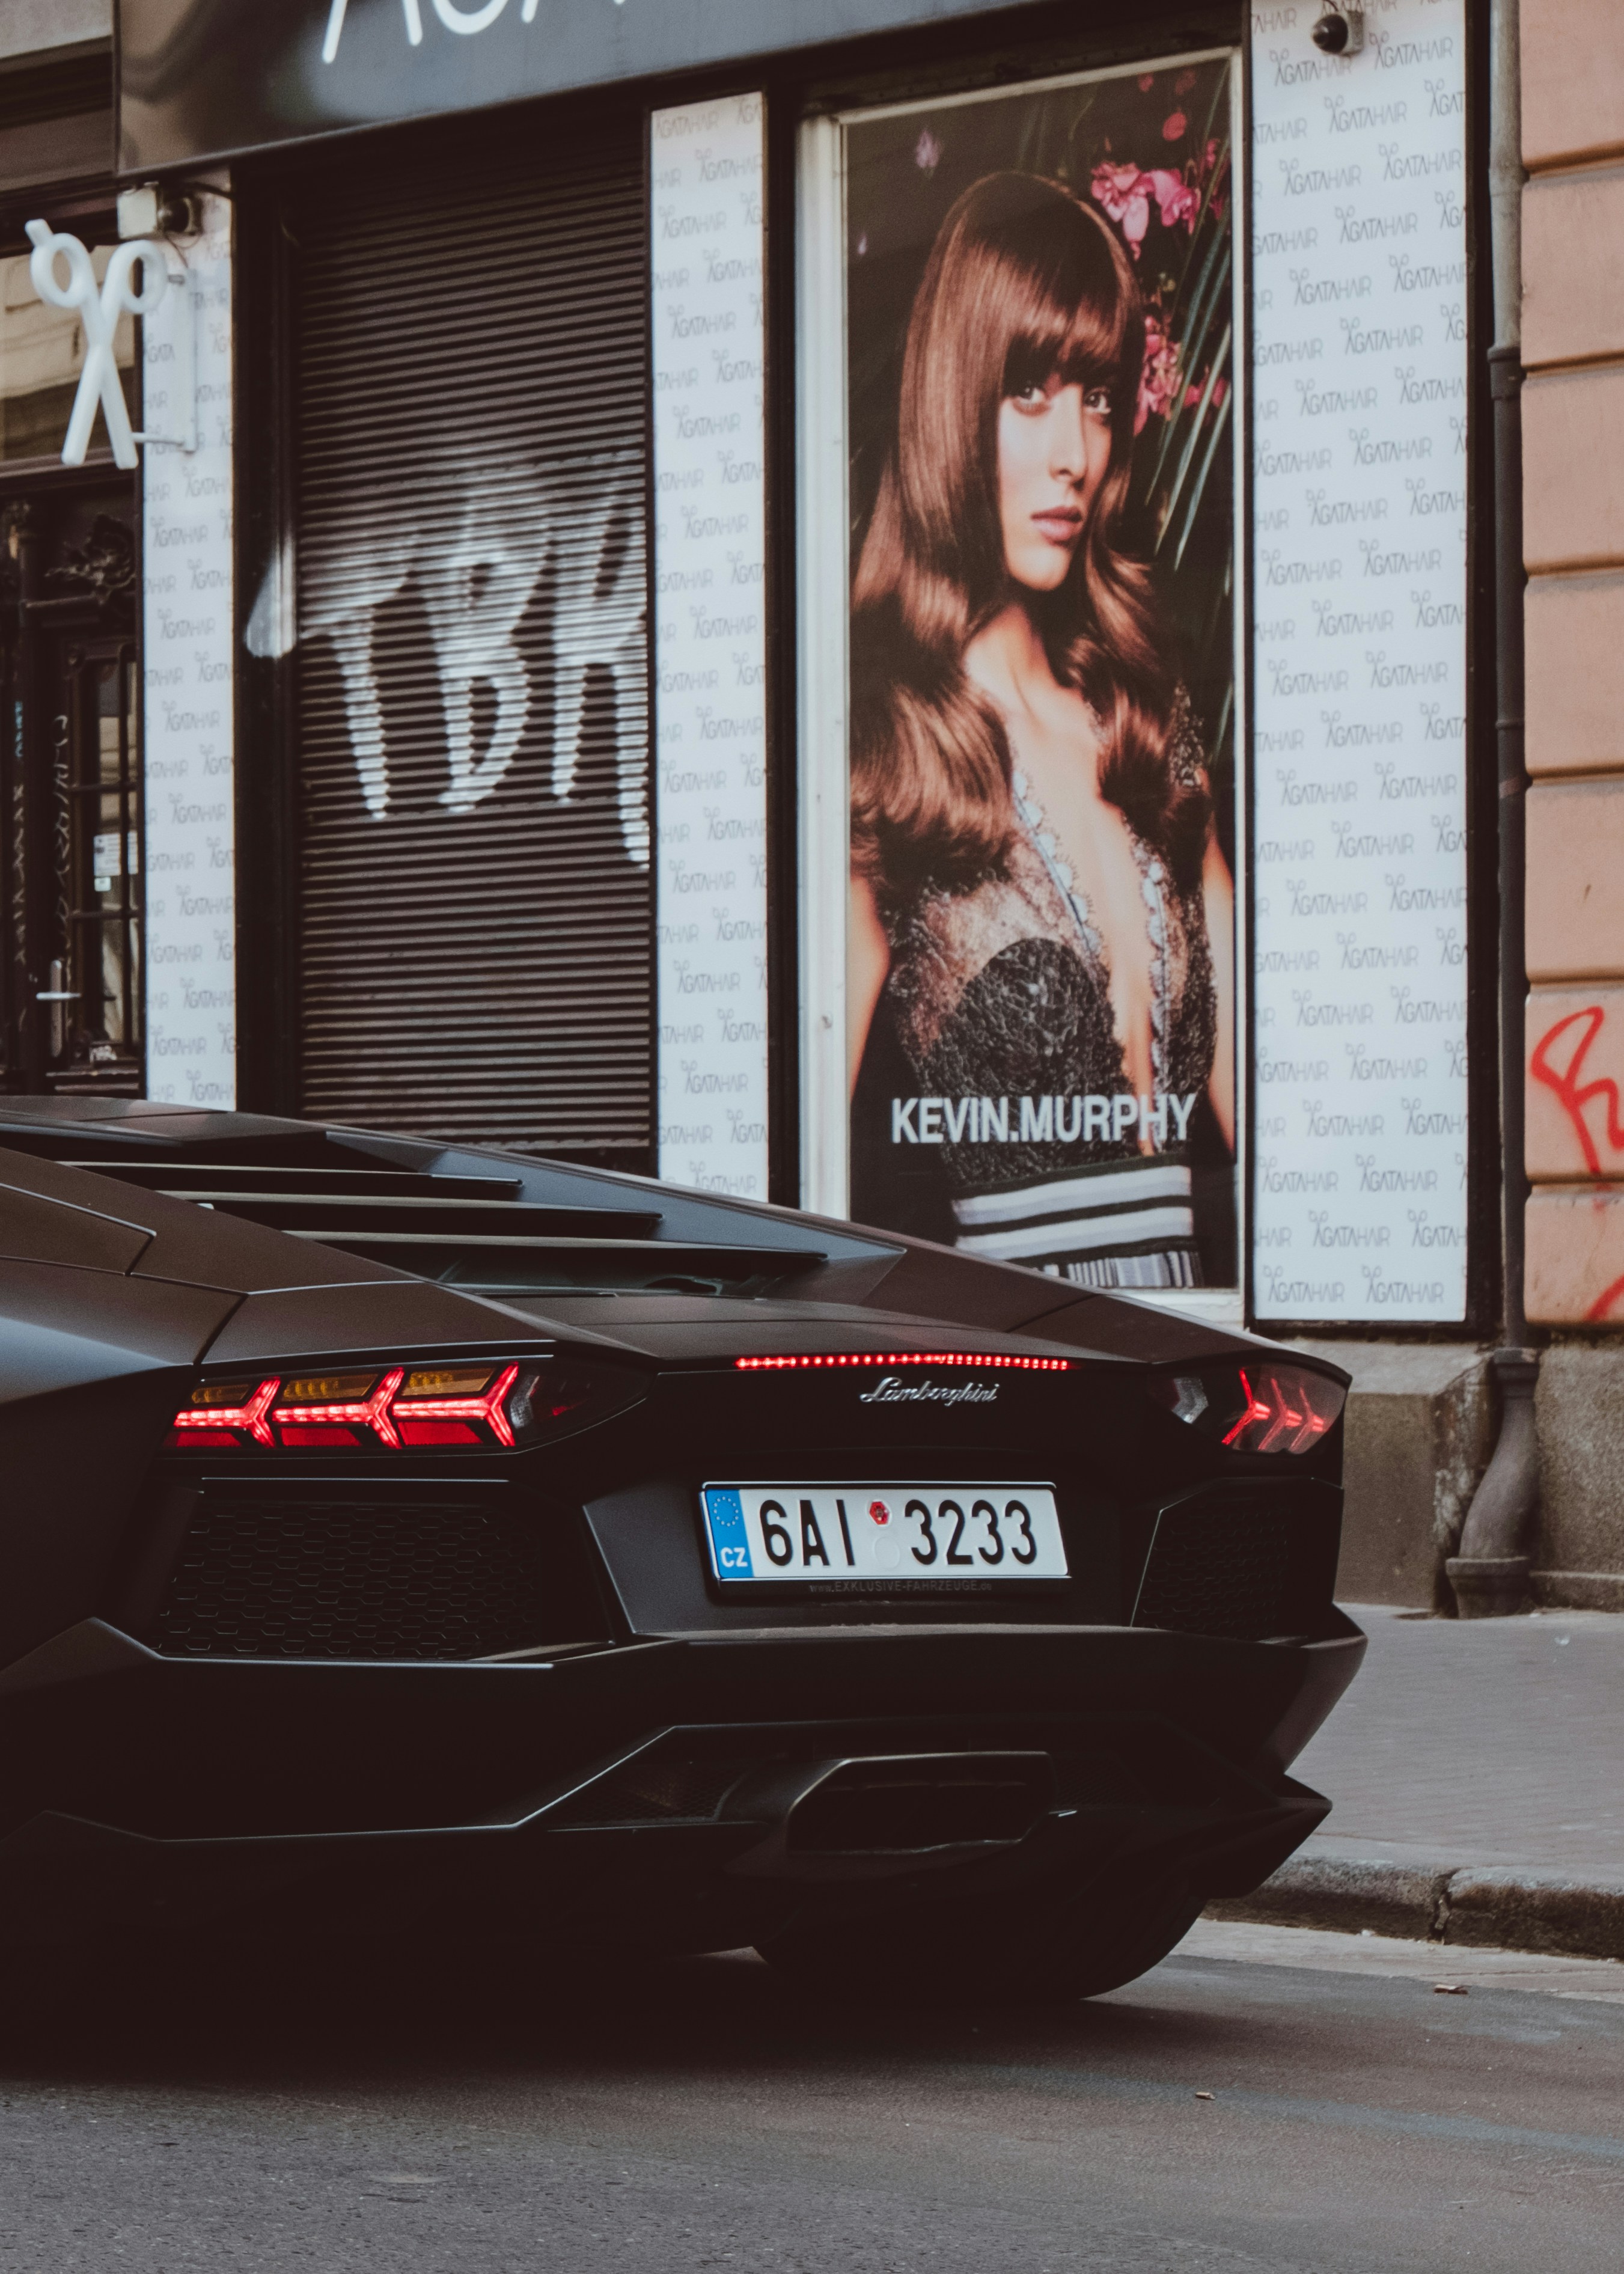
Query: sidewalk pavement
point(1475, 1770)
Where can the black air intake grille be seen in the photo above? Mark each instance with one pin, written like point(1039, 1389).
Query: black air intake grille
point(1240, 1568)
point(263, 1577)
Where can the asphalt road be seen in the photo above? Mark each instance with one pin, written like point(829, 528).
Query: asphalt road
point(696, 2115)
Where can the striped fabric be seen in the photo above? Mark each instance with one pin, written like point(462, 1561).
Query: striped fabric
point(1126, 1223)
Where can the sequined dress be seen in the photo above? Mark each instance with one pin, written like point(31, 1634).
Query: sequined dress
point(1002, 999)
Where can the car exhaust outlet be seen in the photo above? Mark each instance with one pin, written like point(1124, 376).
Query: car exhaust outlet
point(873, 1817)
point(913, 1802)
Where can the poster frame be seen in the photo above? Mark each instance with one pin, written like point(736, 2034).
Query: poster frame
point(823, 575)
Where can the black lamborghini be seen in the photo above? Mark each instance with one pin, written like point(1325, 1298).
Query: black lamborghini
point(396, 1533)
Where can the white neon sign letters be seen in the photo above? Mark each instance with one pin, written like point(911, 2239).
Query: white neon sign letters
point(454, 18)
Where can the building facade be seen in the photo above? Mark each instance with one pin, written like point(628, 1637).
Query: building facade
point(1573, 425)
point(530, 584)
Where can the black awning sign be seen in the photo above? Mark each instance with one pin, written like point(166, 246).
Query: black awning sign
point(202, 80)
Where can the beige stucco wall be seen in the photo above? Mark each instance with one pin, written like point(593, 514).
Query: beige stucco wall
point(1573, 431)
point(1573, 82)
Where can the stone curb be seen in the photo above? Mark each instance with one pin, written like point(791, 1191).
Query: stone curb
point(1492, 1905)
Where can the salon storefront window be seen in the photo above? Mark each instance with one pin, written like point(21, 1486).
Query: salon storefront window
point(856, 618)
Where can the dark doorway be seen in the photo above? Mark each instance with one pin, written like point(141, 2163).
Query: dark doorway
point(70, 790)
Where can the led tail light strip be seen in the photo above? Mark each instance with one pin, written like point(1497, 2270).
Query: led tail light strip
point(906, 1358)
point(496, 1405)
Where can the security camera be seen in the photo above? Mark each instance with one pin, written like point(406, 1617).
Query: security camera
point(151, 210)
point(1339, 30)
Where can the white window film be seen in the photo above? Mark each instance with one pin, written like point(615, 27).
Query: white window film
point(710, 614)
point(187, 657)
point(1359, 488)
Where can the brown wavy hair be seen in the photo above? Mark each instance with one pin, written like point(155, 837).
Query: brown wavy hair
point(1024, 282)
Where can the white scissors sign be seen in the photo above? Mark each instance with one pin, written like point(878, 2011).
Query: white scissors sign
point(99, 308)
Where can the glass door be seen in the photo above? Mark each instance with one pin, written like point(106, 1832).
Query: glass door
point(70, 799)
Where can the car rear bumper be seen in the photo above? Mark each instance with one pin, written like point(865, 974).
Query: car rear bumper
point(653, 1791)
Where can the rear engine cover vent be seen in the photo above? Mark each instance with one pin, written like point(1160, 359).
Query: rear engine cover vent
point(476, 1232)
point(264, 1577)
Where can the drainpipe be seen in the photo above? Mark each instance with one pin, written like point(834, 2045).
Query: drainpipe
point(1490, 1575)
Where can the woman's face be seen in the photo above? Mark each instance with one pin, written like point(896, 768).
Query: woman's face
point(1054, 450)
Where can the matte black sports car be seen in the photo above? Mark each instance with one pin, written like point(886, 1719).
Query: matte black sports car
point(393, 1530)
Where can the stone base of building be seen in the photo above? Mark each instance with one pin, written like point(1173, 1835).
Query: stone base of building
point(1578, 1591)
point(1580, 1407)
point(1419, 1431)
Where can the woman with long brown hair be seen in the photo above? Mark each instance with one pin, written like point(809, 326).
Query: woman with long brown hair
point(1036, 886)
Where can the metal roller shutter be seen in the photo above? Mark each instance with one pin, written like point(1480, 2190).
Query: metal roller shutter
point(470, 413)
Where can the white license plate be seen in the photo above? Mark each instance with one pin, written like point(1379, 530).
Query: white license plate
point(889, 1533)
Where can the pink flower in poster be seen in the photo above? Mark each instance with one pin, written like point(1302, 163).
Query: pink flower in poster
point(1175, 198)
point(927, 152)
point(1147, 79)
point(1158, 375)
point(1183, 84)
point(1126, 193)
point(1174, 125)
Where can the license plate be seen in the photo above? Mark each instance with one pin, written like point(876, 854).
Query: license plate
point(890, 1533)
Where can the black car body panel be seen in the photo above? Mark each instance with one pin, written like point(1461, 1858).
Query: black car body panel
point(240, 1657)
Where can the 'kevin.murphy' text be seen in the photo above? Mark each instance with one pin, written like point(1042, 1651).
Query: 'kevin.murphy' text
point(1039, 1121)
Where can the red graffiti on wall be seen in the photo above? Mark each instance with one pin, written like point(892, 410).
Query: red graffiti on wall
point(1603, 1303)
point(1573, 1095)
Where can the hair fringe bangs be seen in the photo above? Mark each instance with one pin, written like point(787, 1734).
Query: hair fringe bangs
point(1077, 323)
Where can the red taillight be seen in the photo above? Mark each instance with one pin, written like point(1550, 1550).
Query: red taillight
point(210, 1414)
point(1254, 1410)
point(1261, 1407)
point(496, 1405)
point(440, 1432)
point(304, 1420)
point(489, 1406)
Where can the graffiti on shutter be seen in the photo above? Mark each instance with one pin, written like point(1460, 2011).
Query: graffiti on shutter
point(491, 536)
